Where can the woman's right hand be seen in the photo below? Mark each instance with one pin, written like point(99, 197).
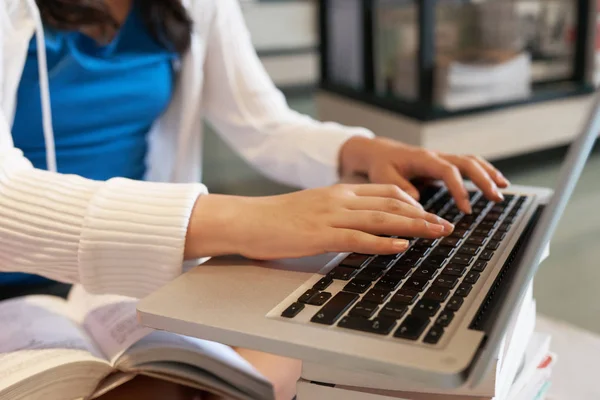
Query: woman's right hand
point(340, 218)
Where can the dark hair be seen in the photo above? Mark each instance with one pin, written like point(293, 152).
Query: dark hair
point(167, 20)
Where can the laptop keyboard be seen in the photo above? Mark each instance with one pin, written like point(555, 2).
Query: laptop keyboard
point(414, 295)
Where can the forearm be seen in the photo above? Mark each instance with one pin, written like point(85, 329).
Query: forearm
point(214, 225)
point(120, 236)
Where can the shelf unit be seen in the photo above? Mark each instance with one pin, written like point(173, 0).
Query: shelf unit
point(423, 107)
point(421, 120)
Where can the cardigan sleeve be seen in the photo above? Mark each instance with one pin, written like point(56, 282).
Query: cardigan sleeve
point(245, 107)
point(120, 236)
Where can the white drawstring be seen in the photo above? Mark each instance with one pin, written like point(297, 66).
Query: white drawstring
point(44, 88)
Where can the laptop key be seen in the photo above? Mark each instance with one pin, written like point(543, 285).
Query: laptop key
point(397, 273)
point(482, 202)
point(482, 231)
point(387, 283)
point(462, 259)
point(355, 260)
point(499, 236)
point(475, 240)
point(499, 208)
point(459, 233)
point(479, 266)
point(426, 307)
point(472, 277)
point(376, 296)
point(334, 308)
point(492, 245)
point(486, 255)
point(463, 289)
point(437, 294)
point(357, 286)
point(455, 270)
point(369, 274)
point(487, 224)
point(469, 218)
point(382, 262)
point(381, 326)
point(424, 272)
point(450, 242)
point(504, 227)
point(393, 310)
point(319, 299)
point(465, 225)
point(434, 261)
point(364, 309)
point(427, 242)
point(445, 318)
point(310, 293)
point(455, 303)
point(409, 261)
point(434, 335)
point(445, 281)
point(415, 284)
point(292, 310)
point(492, 216)
point(343, 273)
point(405, 296)
point(442, 251)
point(323, 283)
point(477, 210)
point(412, 327)
point(469, 249)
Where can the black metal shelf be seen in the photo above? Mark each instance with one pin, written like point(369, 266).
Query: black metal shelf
point(424, 108)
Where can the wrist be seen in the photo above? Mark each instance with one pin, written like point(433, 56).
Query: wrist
point(356, 156)
point(211, 230)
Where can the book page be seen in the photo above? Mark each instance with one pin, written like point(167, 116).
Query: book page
point(37, 335)
point(110, 320)
point(220, 361)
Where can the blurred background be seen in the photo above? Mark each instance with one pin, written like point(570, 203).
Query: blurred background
point(507, 79)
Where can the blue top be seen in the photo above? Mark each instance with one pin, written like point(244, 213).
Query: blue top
point(104, 101)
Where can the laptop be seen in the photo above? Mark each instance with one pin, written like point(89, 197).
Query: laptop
point(435, 314)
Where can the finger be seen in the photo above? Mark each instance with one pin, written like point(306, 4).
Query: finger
point(391, 175)
point(396, 207)
point(348, 240)
point(382, 223)
point(494, 173)
point(391, 191)
point(439, 168)
point(474, 171)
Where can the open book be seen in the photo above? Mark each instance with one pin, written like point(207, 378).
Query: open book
point(54, 349)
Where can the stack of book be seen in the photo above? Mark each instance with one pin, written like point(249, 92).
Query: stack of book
point(522, 372)
point(482, 79)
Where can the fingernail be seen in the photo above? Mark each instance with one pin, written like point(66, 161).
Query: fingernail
point(503, 178)
point(500, 195)
point(446, 224)
point(468, 209)
point(400, 244)
point(437, 228)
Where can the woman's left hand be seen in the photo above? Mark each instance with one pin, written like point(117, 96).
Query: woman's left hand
point(388, 161)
